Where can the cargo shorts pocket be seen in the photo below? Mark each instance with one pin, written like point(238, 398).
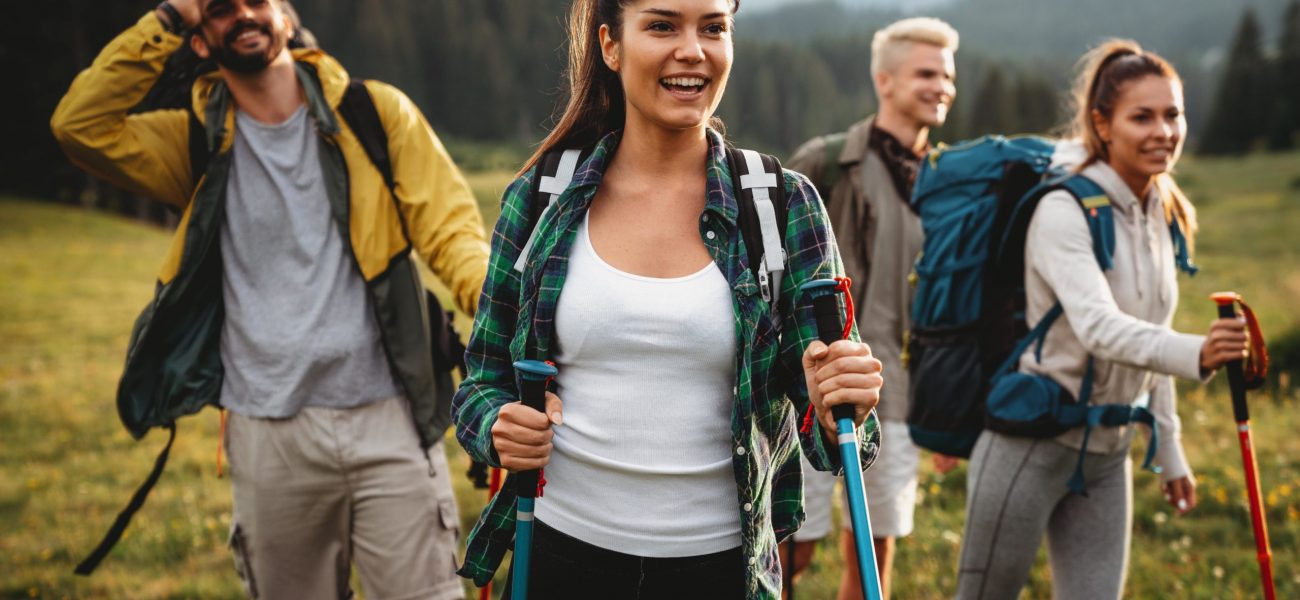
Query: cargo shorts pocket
point(450, 518)
point(243, 564)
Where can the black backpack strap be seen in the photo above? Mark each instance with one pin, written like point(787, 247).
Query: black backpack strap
point(359, 112)
point(124, 518)
point(831, 170)
point(759, 186)
point(199, 152)
point(555, 170)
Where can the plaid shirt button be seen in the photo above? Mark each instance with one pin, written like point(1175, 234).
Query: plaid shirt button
point(748, 507)
point(740, 450)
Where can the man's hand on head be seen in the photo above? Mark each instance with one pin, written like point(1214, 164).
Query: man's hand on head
point(189, 10)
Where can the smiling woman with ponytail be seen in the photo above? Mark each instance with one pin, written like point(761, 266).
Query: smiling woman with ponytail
point(672, 462)
point(1114, 331)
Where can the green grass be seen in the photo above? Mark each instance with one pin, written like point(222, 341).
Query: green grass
point(72, 282)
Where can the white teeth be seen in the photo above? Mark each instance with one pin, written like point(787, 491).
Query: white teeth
point(684, 81)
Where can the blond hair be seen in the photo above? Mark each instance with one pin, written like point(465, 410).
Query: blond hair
point(1103, 73)
point(889, 44)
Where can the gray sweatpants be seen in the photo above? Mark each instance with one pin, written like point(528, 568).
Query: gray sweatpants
point(1016, 491)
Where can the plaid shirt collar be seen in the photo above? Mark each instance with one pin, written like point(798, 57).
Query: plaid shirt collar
point(721, 200)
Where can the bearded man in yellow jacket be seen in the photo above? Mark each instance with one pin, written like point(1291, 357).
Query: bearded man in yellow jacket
point(290, 295)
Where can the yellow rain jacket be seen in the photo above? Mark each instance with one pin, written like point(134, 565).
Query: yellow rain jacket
point(173, 365)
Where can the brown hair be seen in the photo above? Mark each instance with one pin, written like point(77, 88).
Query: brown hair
point(596, 104)
point(1103, 73)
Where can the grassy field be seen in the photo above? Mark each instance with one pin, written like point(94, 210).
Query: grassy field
point(73, 282)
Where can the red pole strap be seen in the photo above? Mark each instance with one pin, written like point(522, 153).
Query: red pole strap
point(1262, 551)
point(845, 283)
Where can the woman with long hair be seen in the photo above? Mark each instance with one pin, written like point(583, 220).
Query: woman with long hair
point(1114, 332)
point(671, 441)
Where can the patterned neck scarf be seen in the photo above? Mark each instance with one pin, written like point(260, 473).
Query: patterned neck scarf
point(901, 162)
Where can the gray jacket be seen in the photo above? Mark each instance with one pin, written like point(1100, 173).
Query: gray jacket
point(879, 239)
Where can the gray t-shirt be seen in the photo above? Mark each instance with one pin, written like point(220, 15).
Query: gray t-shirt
point(300, 328)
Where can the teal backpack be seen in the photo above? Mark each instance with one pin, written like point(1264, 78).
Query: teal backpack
point(968, 322)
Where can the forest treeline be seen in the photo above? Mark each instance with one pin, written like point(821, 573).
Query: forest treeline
point(489, 73)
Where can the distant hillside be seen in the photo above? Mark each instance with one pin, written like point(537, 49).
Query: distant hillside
point(1015, 28)
point(1032, 34)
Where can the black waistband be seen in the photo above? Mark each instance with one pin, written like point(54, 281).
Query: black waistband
point(549, 540)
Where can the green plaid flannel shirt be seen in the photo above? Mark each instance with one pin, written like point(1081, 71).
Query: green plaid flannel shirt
point(515, 320)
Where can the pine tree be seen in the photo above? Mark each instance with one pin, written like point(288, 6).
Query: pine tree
point(994, 107)
point(1242, 105)
point(1284, 128)
point(1036, 104)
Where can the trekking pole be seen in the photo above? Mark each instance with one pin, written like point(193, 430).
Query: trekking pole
point(534, 374)
point(823, 294)
point(1238, 384)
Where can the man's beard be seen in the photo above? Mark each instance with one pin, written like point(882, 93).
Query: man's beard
point(249, 63)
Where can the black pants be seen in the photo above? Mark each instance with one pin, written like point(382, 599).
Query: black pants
point(564, 567)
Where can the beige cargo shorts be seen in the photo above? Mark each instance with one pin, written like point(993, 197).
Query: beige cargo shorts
point(328, 487)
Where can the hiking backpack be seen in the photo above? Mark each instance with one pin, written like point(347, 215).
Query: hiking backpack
point(358, 111)
point(968, 321)
point(760, 196)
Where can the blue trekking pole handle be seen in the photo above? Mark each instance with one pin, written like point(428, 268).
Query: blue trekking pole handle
point(823, 293)
point(533, 375)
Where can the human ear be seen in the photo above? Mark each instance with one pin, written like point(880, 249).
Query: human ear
point(884, 81)
point(609, 48)
point(200, 45)
point(1101, 125)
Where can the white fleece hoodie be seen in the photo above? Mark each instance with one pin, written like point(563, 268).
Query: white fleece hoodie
point(1121, 317)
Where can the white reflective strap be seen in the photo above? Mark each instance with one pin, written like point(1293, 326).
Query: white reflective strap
point(1243, 427)
point(532, 237)
point(553, 186)
point(761, 182)
point(563, 175)
point(756, 176)
point(524, 516)
point(847, 438)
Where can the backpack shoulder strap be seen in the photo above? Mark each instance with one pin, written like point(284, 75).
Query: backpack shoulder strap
point(91, 562)
point(1101, 224)
point(359, 112)
point(831, 168)
point(759, 185)
point(1182, 250)
point(1099, 213)
point(555, 170)
point(199, 153)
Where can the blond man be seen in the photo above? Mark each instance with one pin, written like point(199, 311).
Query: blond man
point(865, 176)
